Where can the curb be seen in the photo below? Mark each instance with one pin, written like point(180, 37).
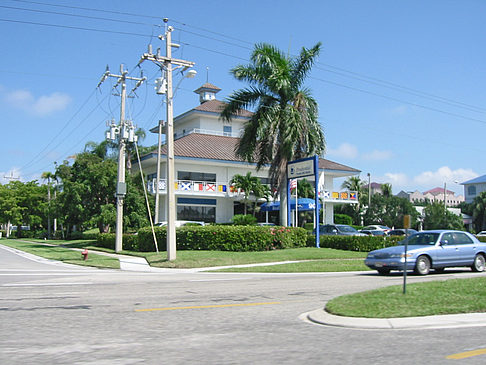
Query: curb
point(321, 316)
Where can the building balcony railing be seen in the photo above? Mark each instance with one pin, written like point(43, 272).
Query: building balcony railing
point(224, 189)
point(200, 188)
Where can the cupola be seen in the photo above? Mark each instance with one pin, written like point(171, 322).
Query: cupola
point(207, 92)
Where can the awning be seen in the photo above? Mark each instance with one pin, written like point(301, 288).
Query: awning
point(303, 204)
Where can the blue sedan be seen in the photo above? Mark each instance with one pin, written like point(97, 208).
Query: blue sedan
point(431, 250)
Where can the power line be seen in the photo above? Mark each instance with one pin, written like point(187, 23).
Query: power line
point(341, 71)
point(74, 15)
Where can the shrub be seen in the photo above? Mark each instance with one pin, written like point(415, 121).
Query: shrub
point(225, 238)
point(244, 220)
point(354, 243)
point(343, 219)
point(107, 240)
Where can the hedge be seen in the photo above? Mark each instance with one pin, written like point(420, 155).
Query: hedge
point(354, 243)
point(216, 238)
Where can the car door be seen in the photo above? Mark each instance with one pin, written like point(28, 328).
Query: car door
point(448, 254)
point(466, 248)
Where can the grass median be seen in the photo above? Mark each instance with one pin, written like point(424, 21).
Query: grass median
point(62, 254)
point(311, 259)
point(421, 299)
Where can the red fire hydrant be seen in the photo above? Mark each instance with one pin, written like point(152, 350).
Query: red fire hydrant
point(85, 254)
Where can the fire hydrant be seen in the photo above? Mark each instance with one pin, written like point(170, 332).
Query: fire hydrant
point(85, 254)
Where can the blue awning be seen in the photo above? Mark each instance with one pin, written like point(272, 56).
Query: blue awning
point(303, 204)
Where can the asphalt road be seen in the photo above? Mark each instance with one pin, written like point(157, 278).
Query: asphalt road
point(59, 314)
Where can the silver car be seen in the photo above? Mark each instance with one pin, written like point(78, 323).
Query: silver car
point(428, 250)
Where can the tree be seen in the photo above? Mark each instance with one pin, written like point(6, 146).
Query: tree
point(354, 183)
point(47, 175)
point(285, 123)
point(389, 211)
point(437, 217)
point(248, 184)
point(479, 211)
point(386, 189)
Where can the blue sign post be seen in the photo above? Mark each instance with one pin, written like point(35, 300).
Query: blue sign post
point(300, 168)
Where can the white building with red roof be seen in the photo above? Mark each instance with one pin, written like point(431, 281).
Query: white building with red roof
point(205, 163)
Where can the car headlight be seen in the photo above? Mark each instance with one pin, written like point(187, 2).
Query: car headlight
point(400, 255)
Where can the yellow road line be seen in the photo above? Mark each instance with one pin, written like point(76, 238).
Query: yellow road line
point(465, 355)
point(205, 306)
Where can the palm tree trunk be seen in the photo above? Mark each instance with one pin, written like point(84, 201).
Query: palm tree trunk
point(283, 204)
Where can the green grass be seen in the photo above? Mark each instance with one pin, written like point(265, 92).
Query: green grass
point(329, 265)
point(421, 299)
point(63, 254)
point(194, 259)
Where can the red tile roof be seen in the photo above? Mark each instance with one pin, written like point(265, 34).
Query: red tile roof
point(217, 106)
point(206, 146)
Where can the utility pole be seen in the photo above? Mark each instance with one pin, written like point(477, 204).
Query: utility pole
point(125, 133)
point(165, 63)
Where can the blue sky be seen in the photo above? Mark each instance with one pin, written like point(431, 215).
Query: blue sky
point(400, 84)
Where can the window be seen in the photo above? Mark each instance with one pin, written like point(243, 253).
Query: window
point(227, 130)
point(471, 190)
point(196, 176)
point(189, 209)
point(461, 238)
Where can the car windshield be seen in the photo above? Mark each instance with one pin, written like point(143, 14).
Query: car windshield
point(423, 239)
point(346, 229)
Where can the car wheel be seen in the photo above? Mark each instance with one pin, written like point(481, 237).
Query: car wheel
point(422, 266)
point(479, 263)
point(383, 271)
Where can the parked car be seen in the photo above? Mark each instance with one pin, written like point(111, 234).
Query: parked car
point(378, 227)
point(401, 232)
point(481, 234)
point(266, 224)
point(182, 223)
point(427, 250)
point(338, 229)
point(372, 232)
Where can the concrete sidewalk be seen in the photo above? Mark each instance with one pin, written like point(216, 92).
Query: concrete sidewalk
point(320, 316)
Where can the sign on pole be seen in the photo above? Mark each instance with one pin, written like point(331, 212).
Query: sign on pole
point(301, 168)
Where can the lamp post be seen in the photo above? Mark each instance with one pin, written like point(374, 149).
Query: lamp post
point(369, 190)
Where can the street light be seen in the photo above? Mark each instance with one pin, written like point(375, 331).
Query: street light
point(369, 190)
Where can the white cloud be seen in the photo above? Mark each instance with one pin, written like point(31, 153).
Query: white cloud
point(41, 106)
point(378, 155)
point(399, 110)
point(428, 180)
point(444, 175)
point(397, 180)
point(345, 150)
point(51, 103)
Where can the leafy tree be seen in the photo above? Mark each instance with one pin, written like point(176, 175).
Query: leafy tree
point(285, 123)
point(23, 204)
point(389, 211)
point(437, 217)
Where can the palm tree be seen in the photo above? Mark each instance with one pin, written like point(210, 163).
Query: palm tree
point(354, 183)
point(249, 185)
point(479, 211)
point(386, 189)
point(284, 125)
point(47, 175)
